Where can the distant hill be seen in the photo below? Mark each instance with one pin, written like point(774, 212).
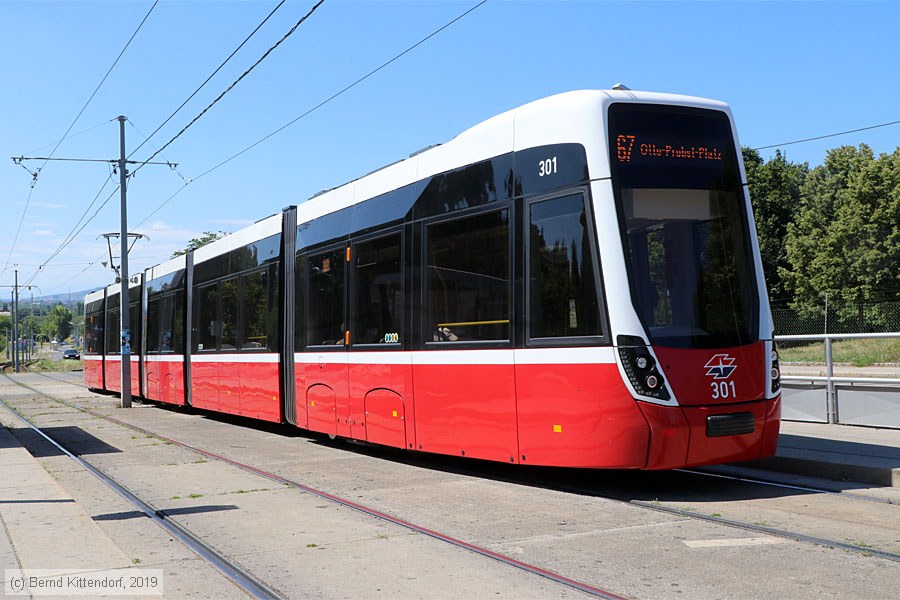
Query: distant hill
point(64, 298)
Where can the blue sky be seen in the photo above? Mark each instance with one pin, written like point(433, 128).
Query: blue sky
point(790, 70)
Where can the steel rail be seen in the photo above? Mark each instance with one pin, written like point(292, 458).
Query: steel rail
point(502, 558)
point(239, 577)
point(699, 472)
point(784, 534)
point(789, 486)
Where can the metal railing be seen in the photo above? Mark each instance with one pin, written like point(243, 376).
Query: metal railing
point(830, 380)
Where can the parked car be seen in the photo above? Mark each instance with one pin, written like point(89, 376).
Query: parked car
point(73, 354)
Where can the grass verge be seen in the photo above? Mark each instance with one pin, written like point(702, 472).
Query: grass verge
point(859, 353)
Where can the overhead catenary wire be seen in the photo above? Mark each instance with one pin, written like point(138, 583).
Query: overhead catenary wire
point(275, 132)
point(213, 74)
point(68, 130)
point(172, 165)
point(236, 81)
point(76, 230)
point(316, 107)
point(76, 134)
point(828, 135)
point(72, 234)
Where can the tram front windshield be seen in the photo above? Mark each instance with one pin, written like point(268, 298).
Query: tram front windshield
point(682, 213)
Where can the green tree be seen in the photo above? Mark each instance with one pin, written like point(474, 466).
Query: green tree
point(775, 194)
point(58, 322)
point(845, 240)
point(207, 237)
point(5, 330)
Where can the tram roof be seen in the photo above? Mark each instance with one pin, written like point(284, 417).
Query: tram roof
point(562, 118)
point(576, 116)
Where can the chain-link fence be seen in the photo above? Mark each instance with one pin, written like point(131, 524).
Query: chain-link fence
point(881, 317)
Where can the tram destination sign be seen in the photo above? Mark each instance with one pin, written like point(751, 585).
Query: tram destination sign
point(654, 146)
point(629, 147)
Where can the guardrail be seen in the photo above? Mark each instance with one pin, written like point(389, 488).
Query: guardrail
point(876, 400)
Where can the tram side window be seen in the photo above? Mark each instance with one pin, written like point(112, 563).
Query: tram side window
point(113, 342)
point(325, 298)
point(255, 303)
point(153, 324)
point(467, 278)
point(134, 324)
point(172, 330)
point(164, 326)
point(562, 287)
point(379, 293)
point(229, 314)
point(208, 325)
point(93, 334)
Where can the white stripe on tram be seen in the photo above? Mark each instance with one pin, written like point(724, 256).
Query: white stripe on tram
point(532, 356)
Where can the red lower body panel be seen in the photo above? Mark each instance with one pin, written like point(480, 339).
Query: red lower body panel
point(165, 380)
point(679, 434)
point(578, 416)
point(93, 372)
point(113, 369)
point(467, 410)
point(490, 407)
point(370, 401)
point(240, 387)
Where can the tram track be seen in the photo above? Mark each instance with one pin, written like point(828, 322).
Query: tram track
point(788, 486)
point(226, 567)
point(743, 525)
point(221, 562)
point(698, 472)
point(550, 481)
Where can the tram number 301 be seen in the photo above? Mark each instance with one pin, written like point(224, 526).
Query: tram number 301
point(547, 167)
point(723, 389)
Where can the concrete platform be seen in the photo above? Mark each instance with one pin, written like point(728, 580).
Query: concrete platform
point(45, 531)
point(838, 452)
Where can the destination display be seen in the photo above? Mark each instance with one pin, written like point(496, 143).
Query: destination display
point(627, 145)
point(653, 146)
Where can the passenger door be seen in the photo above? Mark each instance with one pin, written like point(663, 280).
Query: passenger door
point(380, 373)
point(325, 371)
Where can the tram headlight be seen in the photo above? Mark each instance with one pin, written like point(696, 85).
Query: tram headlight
point(776, 370)
point(640, 367)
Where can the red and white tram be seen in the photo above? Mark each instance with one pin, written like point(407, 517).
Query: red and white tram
point(575, 282)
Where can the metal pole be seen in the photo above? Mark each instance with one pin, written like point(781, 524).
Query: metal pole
point(124, 304)
point(31, 330)
point(831, 400)
point(16, 323)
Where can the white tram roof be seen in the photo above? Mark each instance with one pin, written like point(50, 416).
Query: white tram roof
point(133, 282)
point(578, 116)
point(95, 295)
point(166, 268)
point(258, 231)
point(570, 117)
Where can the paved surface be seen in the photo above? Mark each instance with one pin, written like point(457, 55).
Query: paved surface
point(837, 452)
point(56, 515)
point(44, 526)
